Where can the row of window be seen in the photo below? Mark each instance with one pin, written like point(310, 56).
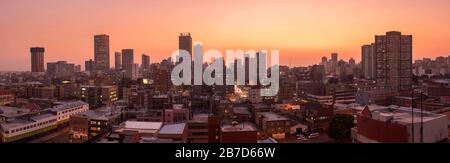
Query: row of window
point(69, 110)
point(277, 123)
point(30, 127)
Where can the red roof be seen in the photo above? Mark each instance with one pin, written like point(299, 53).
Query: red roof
point(32, 106)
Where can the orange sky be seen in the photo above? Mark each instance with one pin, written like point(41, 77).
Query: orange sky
point(303, 30)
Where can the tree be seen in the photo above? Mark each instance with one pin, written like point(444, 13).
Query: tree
point(340, 127)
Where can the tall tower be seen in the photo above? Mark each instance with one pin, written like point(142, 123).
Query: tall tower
point(368, 61)
point(37, 59)
point(185, 42)
point(145, 62)
point(128, 62)
point(118, 60)
point(334, 62)
point(394, 61)
point(101, 52)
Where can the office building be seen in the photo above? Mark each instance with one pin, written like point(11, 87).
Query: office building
point(394, 61)
point(185, 42)
point(128, 62)
point(145, 62)
point(37, 60)
point(118, 60)
point(368, 61)
point(89, 65)
point(101, 52)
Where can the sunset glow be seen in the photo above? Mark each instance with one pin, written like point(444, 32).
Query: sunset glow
point(303, 30)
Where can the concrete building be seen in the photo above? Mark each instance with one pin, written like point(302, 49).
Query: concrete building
point(239, 133)
point(98, 96)
point(185, 42)
point(394, 61)
point(368, 62)
point(37, 60)
point(60, 69)
point(101, 52)
point(134, 132)
point(400, 125)
point(64, 110)
point(6, 97)
point(175, 132)
point(93, 123)
point(89, 65)
point(118, 60)
point(18, 123)
point(273, 125)
point(176, 115)
point(128, 62)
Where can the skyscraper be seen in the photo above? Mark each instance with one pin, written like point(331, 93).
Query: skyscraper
point(185, 42)
point(145, 62)
point(89, 65)
point(368, 61)
point(101, 52)
point(334, 62)
point(394, 61)
point(128, 62)
point(118, 60)
point(37, 59)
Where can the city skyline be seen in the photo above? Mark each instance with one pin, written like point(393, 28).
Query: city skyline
point(303, 31)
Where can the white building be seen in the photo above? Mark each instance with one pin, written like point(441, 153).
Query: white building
point(65, 110)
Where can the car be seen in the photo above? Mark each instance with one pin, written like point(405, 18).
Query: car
point(302, 138)
point(313, 135)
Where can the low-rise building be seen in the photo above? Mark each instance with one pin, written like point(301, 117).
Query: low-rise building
point(238, 133)
point(134, 132)
point(87, 125)
point(176, 132)
point(6, 97)
point(400, 125)
point(273, 125)
point(176, 115)
point(63, 110)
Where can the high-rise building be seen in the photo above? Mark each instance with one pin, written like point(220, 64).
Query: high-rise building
point(60, 69)
point(101, 52)
point(145, 62)
point(394, 61)
point(89, 65)
point(368, 61)
point(324, 59)
point(135, 71)
point(185, 42)
point(334, 62)
point(37, 59)
point(118, 60)
point(128, 62)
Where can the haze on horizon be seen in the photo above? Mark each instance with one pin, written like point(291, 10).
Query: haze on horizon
point(303, 30)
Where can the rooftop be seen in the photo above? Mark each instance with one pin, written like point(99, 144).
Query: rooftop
point(173, 128)
point(139, 127)
point(246, 126)
point(67, 105)
point(241, 110)
point(12, 111)
point(270, 116)
point(403, 115)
